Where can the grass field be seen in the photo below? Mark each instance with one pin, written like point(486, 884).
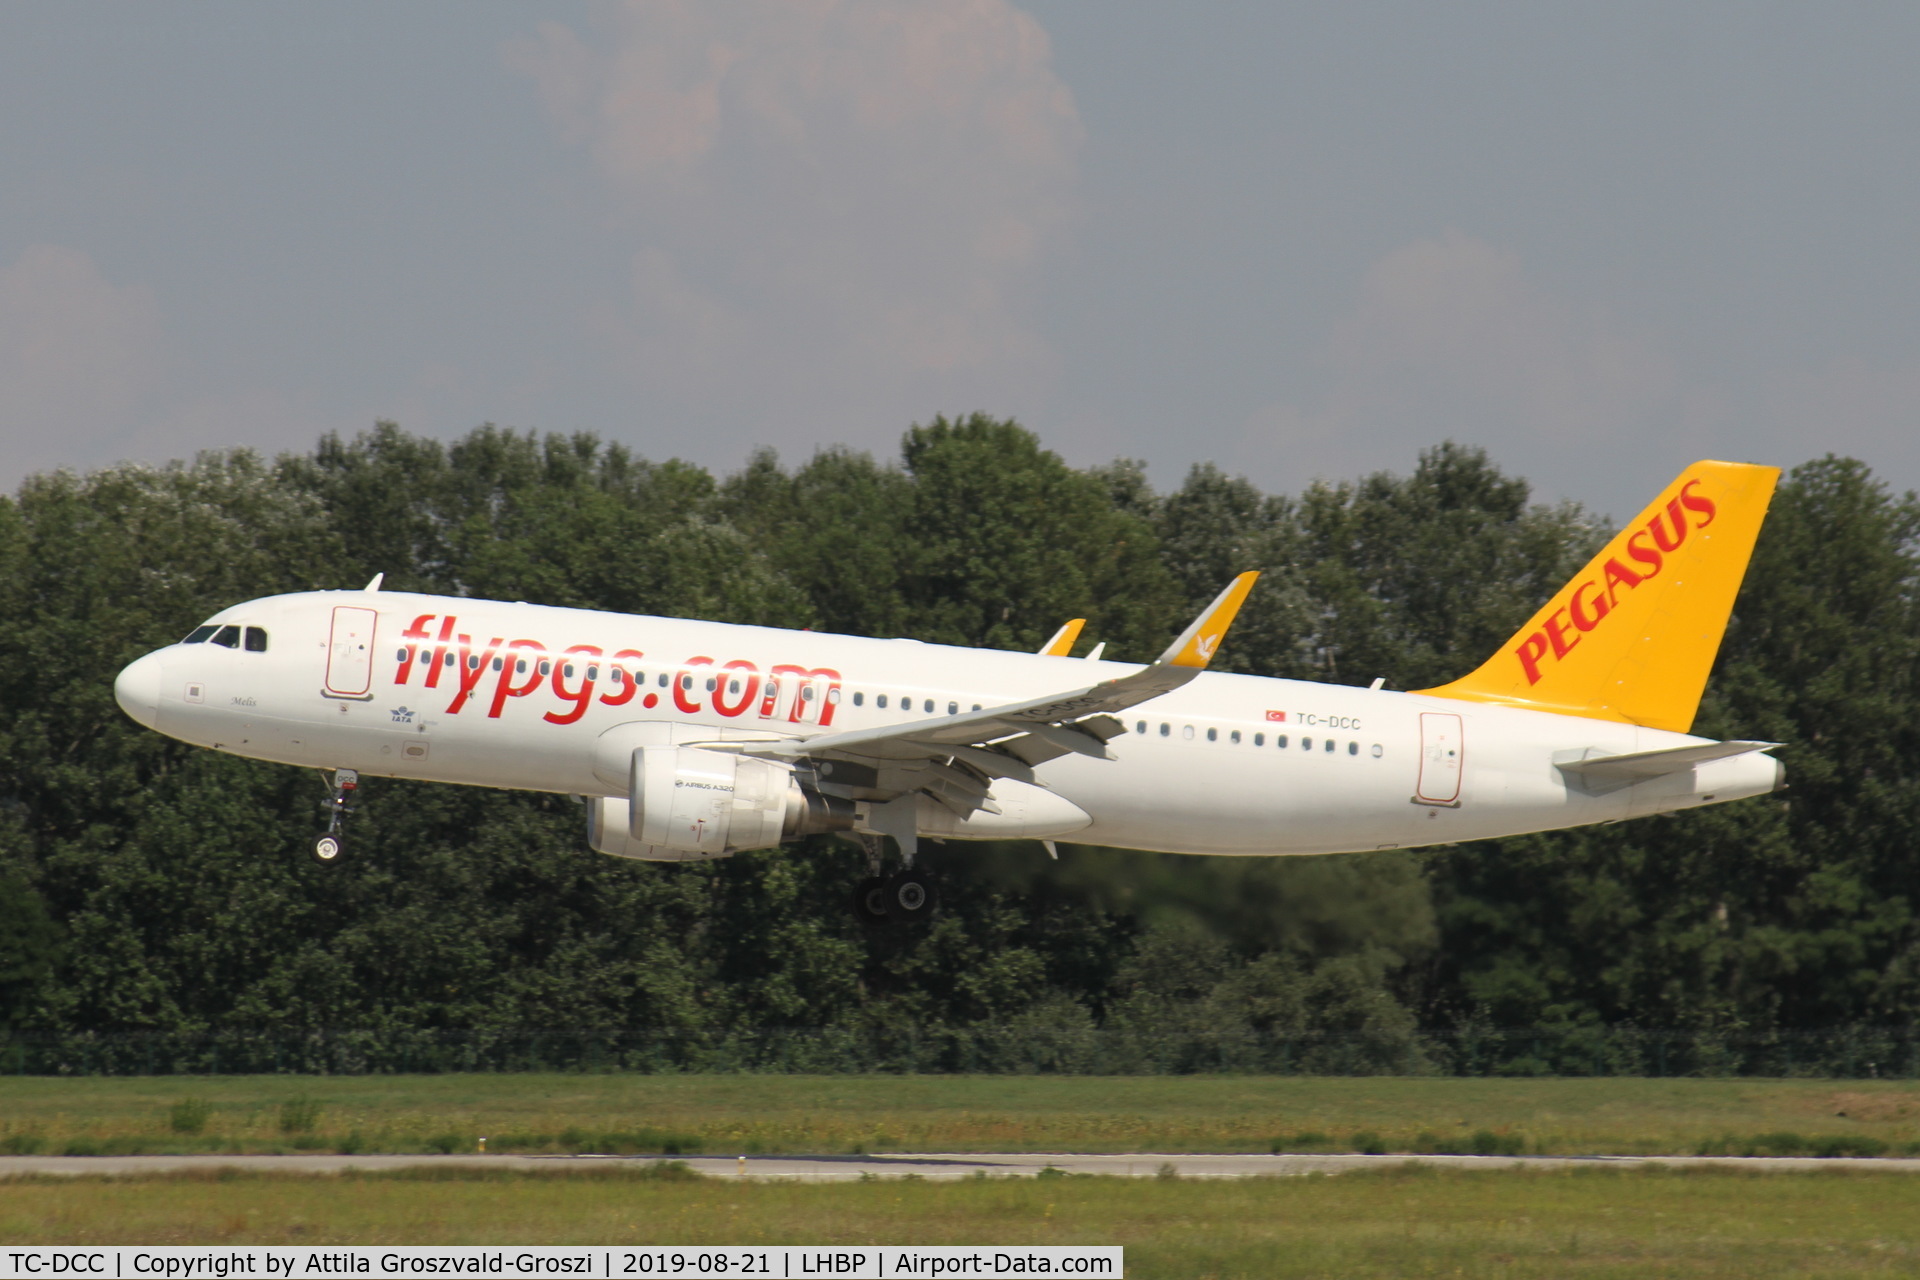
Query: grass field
point(766, 1114)
point(1597, 1222)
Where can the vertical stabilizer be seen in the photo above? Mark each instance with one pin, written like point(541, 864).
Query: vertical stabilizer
point(1634, 635)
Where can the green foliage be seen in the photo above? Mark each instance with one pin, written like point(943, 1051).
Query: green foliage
point(190, 1115)
point(299, 1115)
point(153, 894)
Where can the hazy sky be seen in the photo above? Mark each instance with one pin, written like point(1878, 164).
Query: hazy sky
point(1298, 241)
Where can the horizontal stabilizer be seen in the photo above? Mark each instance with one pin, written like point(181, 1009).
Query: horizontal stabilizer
point(1654, 764)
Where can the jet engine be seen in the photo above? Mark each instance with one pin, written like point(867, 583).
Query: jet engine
point(687, 804)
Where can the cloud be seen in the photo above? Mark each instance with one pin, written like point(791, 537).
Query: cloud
point(78, 358)
point(87, 379)
point(835, 207)
point(1450, 338)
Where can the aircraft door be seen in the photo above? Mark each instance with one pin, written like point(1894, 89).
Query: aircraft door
point(350, 653)
point(1443, 752)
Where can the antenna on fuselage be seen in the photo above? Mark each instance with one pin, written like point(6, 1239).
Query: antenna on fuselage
point(375, 584)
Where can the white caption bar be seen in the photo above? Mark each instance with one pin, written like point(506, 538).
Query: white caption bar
point(669, 1262)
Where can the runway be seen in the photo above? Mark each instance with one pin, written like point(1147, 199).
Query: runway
point(930, 1166)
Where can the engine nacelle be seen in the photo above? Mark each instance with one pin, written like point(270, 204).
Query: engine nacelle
point(689, 803)
point(609, 831)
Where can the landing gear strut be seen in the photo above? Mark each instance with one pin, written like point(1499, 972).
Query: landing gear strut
point(330, 846)
point(905, 896)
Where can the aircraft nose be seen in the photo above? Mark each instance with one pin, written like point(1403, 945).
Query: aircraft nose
point(137, 689)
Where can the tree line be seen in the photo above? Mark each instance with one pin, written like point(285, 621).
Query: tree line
point(155, 894)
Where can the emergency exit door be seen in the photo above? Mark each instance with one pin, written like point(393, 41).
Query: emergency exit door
point(350, 653)
point(1443, 753)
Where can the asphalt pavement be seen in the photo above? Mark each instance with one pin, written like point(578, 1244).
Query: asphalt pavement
point(933, 1166)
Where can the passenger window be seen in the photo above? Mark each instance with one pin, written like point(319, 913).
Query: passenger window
point(833, 695)
point(1376, 751)
point(953, 708)
point(593, 673)
point(929, 706)
point(1213, 735)
point(1186, 732)
point(1165, 728)
point(1259, 739)
point(1306, 744)
point(497, 663)
point(662, 682)
point(546, 668)
point(256, 640)
point(806, 692)
point(1140, 726)
point(1234, 737)
point(1353, 748)
point(227, 637)
point(976, 706)
point(520, 666)
point(1329, 744)
point(1280, 741)
point(199, 635)
point(567, 671)
point(859, 698)
point(449, 660)
point(400, 655)
point(881, 702)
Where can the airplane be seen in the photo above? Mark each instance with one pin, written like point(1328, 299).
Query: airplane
point(689, 740)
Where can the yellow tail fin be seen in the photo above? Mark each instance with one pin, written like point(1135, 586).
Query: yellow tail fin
point(1633, 636)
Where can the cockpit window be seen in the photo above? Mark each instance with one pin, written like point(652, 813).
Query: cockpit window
point(256, 640)
point(199, 635)
point(228, 637)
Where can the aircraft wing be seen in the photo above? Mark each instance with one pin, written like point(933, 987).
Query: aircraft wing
point(968, 750)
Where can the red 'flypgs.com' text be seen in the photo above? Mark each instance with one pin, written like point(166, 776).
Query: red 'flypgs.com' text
point(441, 658)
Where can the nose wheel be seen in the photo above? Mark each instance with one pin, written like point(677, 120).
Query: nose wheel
point(330, 846)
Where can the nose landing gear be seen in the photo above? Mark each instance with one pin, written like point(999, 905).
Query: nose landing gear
point(330, 846)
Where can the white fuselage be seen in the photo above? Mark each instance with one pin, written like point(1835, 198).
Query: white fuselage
point(528, 697)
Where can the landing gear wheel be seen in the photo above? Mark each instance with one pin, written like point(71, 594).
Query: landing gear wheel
point(330, 846)
point(911, 895)
point(870, 900)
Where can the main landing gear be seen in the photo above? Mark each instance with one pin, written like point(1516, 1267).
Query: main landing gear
point(908, 895)
point(330, 846)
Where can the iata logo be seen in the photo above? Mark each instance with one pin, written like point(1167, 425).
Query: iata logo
point(1594, 599)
